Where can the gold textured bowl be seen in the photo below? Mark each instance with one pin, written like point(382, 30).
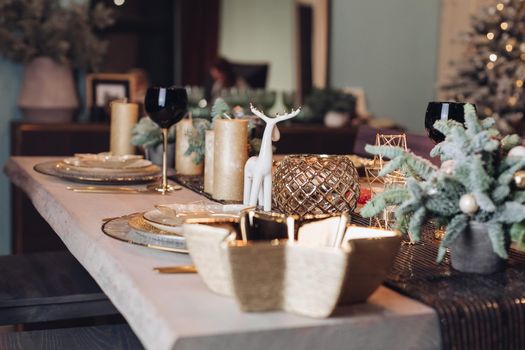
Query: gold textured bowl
point(315, 184)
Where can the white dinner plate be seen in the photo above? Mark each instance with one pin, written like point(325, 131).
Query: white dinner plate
point(107, 161)
point(170, 217)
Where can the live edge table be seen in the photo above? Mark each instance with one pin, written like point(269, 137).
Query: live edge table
point(178, 311)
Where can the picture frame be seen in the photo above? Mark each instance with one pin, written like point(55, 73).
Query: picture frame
point(102, 88)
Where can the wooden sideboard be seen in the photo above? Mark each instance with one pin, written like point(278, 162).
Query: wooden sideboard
point(32, 234)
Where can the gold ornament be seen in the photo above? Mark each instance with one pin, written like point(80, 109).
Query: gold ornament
point(468, 204)
point(519, 179)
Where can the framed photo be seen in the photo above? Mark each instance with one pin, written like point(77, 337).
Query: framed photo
point(102, 88)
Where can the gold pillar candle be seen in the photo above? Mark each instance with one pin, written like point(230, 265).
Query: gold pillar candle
point(230, 155)
point(208, 161)
point(185, 165)
point(124, 116)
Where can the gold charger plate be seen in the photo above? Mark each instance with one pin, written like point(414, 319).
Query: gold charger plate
point(63, 171)
point(121, 229)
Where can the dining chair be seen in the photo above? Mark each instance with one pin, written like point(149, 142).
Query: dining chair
point(255, 74)
point(114, 337)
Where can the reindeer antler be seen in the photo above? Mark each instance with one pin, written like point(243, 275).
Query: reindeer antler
point(258, 113)
point(286, 116)
point(278, 117)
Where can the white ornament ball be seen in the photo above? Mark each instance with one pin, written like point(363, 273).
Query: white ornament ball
point(449, 166)
point(517, 151)
point(468, 204)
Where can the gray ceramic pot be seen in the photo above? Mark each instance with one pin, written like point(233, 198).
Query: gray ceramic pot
point(472, 251)
point(155, 155)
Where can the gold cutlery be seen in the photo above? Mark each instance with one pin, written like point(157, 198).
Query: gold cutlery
point(111, 189)
point(176, 269)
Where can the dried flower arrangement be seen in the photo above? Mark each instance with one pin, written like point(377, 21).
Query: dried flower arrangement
point(65, 33)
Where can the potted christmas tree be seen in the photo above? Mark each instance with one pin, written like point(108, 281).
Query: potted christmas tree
point(474, 194)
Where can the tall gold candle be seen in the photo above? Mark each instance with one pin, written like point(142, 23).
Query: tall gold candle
point(123, 117)
point(208, 161)
point(185, 165)
point(229, 158)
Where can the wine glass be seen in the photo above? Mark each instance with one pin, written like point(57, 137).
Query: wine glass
point(165, 106)
point(442, 111)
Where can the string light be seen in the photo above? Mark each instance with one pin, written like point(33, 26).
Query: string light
point(519, 83)
point(493, 57)
point(490, 65)
point(508, 47)
point(487, 111)
point(504, 25)
point(500, 6)
point(490, 35)
point(513, 100)
point(119, 2)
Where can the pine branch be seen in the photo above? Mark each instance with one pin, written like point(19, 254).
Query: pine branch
point(510, 212)
point(385, 151)
point(510, 141)
point(497, 238)
point(378, 203)
point(517, 234)
point(416, 221)
point(519, 197)
point(505, 177)
point(500, 193)
point(456, 226)
point(471, 120)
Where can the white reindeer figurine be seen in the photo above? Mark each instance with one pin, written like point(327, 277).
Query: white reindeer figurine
point(258, 170)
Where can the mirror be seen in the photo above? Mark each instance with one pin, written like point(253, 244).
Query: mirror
point(290, 36)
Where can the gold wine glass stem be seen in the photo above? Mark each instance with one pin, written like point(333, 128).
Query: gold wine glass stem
point(164, 159)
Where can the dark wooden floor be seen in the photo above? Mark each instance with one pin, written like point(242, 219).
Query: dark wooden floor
point(48, 286)
point(114, 337)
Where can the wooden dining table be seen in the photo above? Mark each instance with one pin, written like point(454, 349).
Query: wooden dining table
point(178, 311)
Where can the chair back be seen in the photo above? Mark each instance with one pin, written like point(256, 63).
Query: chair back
point(255, 75)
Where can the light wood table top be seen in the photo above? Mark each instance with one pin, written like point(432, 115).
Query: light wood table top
point(178, 311)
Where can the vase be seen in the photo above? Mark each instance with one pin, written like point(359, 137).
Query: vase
point(333, 119)
point(472, 251)
point(48, 92)
point(154, 154)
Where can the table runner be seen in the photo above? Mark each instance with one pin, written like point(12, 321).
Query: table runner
point(475, 311)
point(196, 184)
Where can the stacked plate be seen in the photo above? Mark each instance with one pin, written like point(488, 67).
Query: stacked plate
point(161, 228)
point(102, 168)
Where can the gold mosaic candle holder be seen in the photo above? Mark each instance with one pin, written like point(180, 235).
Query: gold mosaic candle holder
point(315, 184)
point(377, 183)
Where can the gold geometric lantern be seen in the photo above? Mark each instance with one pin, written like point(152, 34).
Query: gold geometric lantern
point(378, 184)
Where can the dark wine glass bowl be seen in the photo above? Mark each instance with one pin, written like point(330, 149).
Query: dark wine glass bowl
point(442, 111)
point(166, 106)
